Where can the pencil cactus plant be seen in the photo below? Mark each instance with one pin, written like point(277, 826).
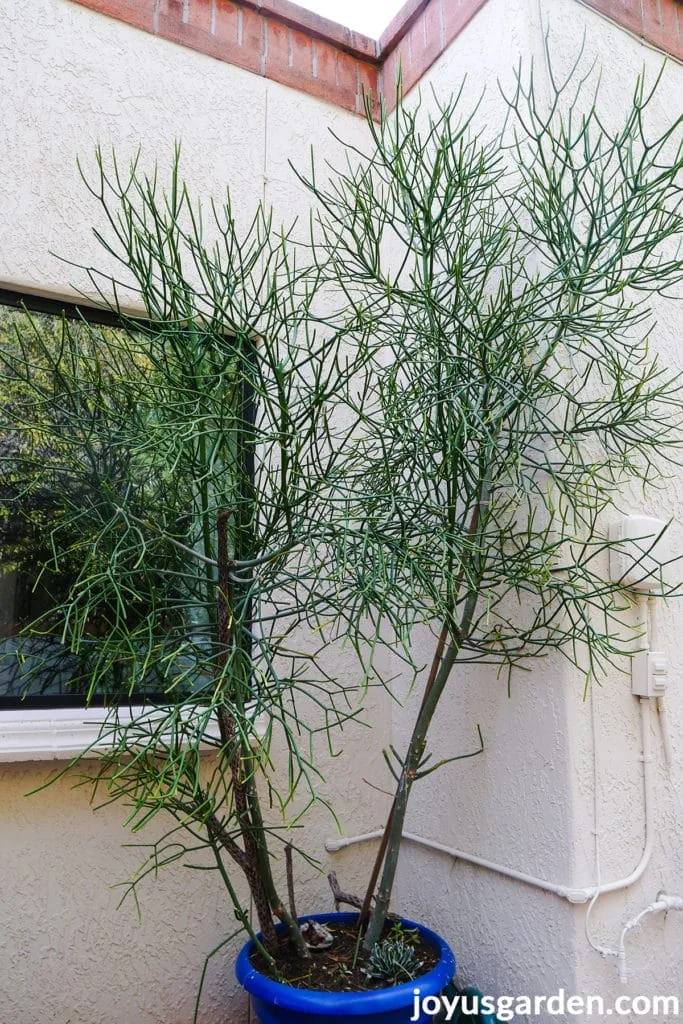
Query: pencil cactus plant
point(418, 418)
point(509, 279)
point(196, 455)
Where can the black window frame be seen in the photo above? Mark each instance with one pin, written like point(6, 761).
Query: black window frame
point(79, 312)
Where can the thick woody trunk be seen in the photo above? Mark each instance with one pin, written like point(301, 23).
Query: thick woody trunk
point(231, 746)
point(256, 863)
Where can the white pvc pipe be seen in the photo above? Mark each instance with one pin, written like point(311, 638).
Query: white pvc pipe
point(570, 893)
point(662, 905)
point(648, 805)
point(666, 733)
point(332, 845)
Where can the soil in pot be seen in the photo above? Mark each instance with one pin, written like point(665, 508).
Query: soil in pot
point(333, 970)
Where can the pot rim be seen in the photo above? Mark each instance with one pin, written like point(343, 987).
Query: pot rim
point(379, 1000)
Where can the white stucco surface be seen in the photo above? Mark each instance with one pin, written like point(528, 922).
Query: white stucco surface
point(70, 78)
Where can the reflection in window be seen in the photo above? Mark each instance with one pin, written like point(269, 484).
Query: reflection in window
point(48, 471)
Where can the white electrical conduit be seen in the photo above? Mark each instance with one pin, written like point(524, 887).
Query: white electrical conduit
point(567, 892)
point(662, 905)
point(666, 733)
point(663, 902)
point(651, 643)
point(648, 796)
point(596, 823)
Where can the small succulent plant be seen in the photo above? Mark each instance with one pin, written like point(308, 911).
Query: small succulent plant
point(393, 960)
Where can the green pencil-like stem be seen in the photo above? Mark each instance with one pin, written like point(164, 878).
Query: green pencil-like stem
point(441, 669)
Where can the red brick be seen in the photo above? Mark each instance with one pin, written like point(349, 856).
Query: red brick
point(388, 79)
point(629, 14)
point(275, 41)
point(169, 21)
point(316, 67)
point(396, 28)
point(289, 56)
point(410, 69)
point(625, 12)
point(425, 39)
point(434, 28)
point(347, 74)
point(277, 48)
point(651, 10)
point(139, 13)
point(170, 12)
point(222, 42)
point(660, 25)
point(329, 84)
point(195, 32)
point(604, 6)
point(673, 15)
point(251, 40)
point(652, 21)
point(456, 14)
point(296, 16)
point(325, 62)
point(328, 92)
point(200, 15)
point(227, 17)
point(346, 70)
point(301, 52)
point(368, 78)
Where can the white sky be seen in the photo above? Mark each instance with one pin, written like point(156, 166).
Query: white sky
point(368, 16)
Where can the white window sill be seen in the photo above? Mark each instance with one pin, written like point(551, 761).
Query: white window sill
point(57, 734)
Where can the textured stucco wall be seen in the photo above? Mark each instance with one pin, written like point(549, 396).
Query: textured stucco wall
point(70, 78)
point(655, 952)
point(527, 803)
point(67, 79)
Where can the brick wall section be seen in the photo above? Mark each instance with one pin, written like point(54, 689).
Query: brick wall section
point(660, 22)
point(419, 34)
point(285, 42)
point(274, 38)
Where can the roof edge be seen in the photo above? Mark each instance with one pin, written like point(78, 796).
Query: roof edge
point(283, 41)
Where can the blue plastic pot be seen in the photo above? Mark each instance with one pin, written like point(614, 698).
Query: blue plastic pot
point(275, 1003)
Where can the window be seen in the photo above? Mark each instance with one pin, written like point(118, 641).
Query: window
point(108, 515)
point(43, 685)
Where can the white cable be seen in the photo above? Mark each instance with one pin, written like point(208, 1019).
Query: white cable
point(661, 702)
point(567, 892)
point(662, 905)
point(666, 733)
point(648, 798)
point(651, 635)
point(596, 832)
